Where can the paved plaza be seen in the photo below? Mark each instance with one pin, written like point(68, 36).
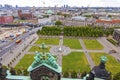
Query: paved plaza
point(61, 50)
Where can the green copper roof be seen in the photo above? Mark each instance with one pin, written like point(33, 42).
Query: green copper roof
point(45, 59)
point(49, 12)
point(43, 46)
point(103, 59)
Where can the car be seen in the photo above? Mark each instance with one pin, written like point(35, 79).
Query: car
point(113, 51)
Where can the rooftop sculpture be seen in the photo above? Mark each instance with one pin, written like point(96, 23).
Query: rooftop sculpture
point(43, 58)
point(99, 71)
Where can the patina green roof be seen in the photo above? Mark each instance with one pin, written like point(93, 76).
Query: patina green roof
point(44, 59)
point(49, 12)
point(103, 59)
point(43, 46)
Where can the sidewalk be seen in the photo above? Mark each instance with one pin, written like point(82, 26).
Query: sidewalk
point(25, 51)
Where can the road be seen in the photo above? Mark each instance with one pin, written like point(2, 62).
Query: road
point(13, 43)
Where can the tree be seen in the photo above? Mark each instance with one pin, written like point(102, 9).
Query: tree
point(116, 76)
point(58, 23)
point(19, 71)
point(59, 13)
point(12, 71)
point(83, 74)
point(109, 16)
point(74, 74)
point(66, 74)
point(22, 18)
point(25, 72)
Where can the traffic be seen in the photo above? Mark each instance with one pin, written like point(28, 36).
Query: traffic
point(16, 39)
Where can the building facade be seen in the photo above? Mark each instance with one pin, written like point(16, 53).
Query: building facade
point(6, 19)
point(116, 35)
point(24, 16)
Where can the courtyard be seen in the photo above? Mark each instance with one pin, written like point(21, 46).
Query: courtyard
point(77, 59)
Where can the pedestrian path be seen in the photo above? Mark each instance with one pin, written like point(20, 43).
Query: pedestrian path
point(108, 46)
point(61, 41)
point(89, 59)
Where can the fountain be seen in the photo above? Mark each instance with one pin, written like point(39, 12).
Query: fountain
point(60, 50)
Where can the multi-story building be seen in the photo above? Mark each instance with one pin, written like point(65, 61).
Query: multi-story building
point(6, 19)
point(27, 16)
point(116, 35)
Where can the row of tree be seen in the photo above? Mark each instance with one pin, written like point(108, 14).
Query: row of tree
point(84, 31)
point(50, 31)
point(87, 31)
point(19, 72)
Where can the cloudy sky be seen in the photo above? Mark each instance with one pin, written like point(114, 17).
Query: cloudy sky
point(41, 3)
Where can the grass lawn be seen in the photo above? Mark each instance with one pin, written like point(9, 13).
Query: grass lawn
point(92, 44)
point(54, 41)
point(72, 43)
point(37, 48)
point(25, 62)
point(112, 64)
point(75, 61)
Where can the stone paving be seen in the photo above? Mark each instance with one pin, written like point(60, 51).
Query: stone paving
point(108, 46)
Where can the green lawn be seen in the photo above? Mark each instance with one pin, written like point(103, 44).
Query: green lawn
point(92, 44)
point(37, 48)
point(72, 43)
point(112, 64)
point(75, 61)
point(25, 62)
point(54, 41)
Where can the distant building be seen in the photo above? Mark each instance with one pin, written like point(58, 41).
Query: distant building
point(80, 18)
point(49, 12)
point(0, 6)
point(108, 21)
point(24, 16)
point(6, 19)
point(116, 35)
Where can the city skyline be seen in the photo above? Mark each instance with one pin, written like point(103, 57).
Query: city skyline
point(46, 3)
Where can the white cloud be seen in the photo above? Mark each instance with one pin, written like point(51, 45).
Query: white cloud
point(91, 3)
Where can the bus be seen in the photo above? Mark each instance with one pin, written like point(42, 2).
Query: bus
point(18, 41)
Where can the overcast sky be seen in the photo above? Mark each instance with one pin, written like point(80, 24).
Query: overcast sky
point(40, 3)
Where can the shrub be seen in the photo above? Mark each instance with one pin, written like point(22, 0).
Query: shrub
point(25, 72)
point(19, 71)
point(66, 74)
point(116, 76)
point(74, 74)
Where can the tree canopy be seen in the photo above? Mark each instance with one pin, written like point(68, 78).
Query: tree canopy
point(58, 23)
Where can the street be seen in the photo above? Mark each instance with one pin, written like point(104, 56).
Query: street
point(12, 45)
